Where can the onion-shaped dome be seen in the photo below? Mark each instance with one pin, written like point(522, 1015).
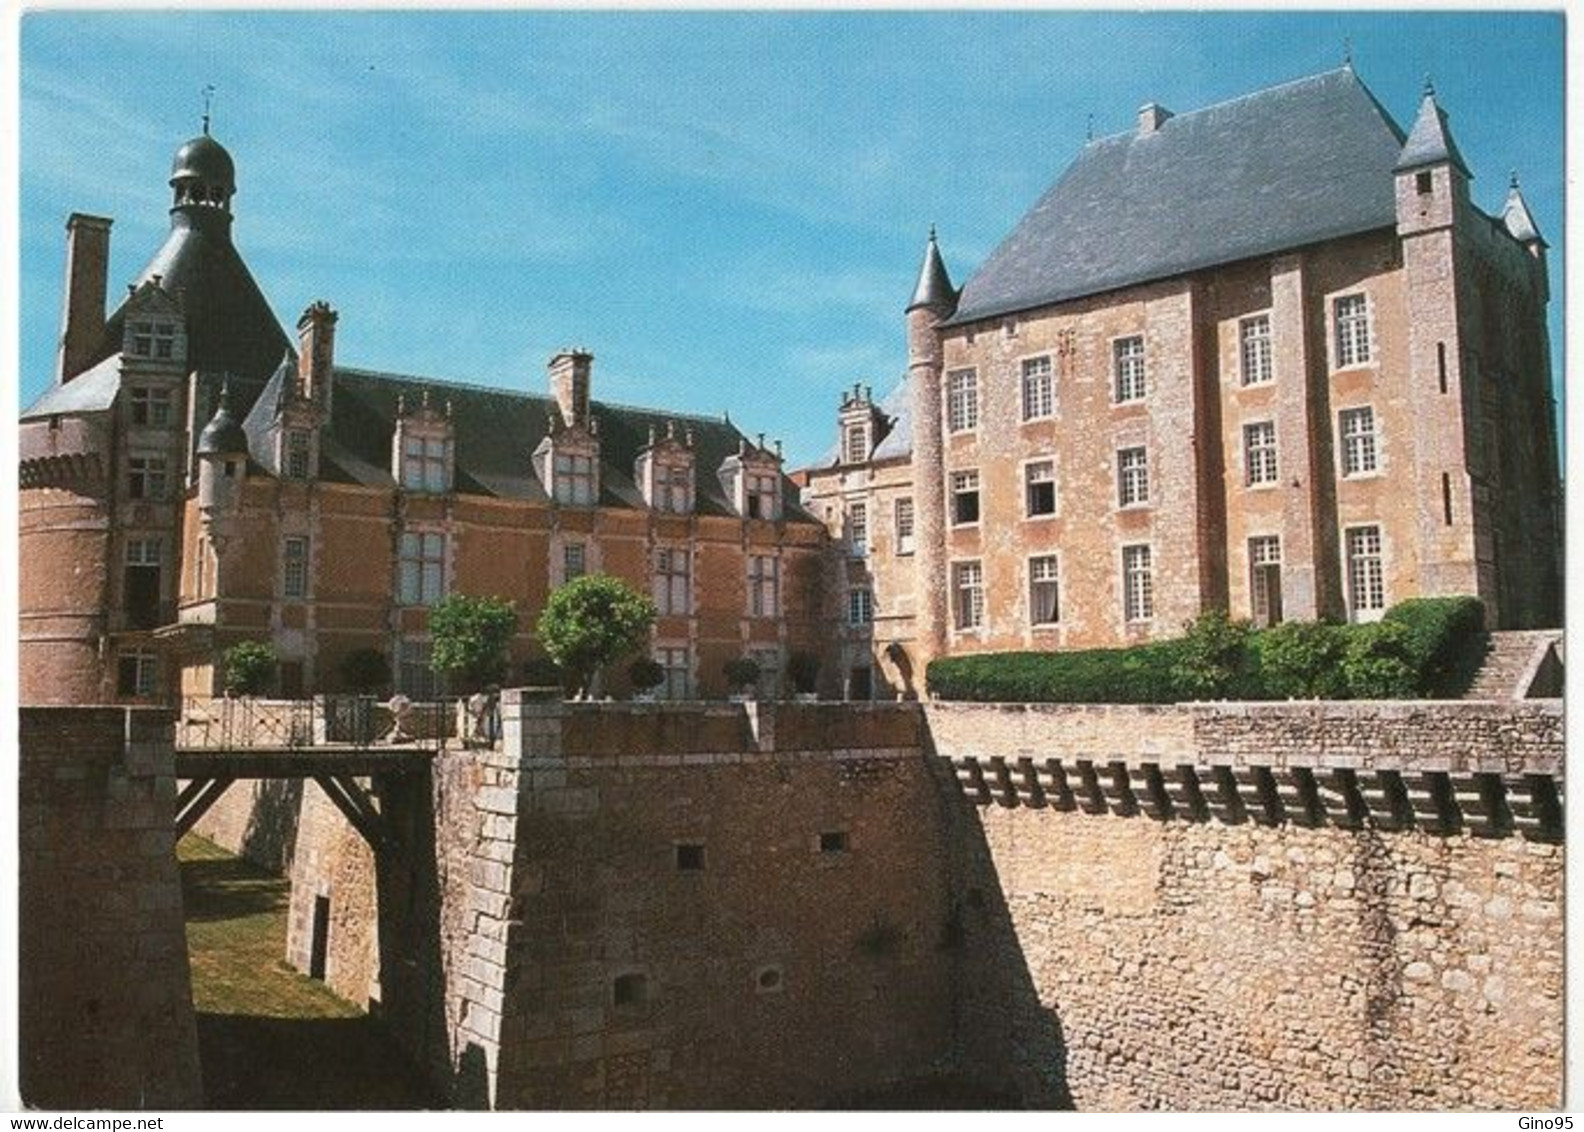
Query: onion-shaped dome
point(206, 160)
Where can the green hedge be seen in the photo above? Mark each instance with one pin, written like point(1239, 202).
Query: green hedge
point(1423, 647)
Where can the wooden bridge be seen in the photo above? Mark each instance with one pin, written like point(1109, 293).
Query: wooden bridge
point(333, 740)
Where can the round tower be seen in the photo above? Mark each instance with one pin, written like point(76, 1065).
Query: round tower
point(64, 524)
point(933, 302)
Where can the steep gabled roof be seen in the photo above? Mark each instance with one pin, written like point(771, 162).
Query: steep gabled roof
point(1308, 161)
point(230, 327)
point(497, 431)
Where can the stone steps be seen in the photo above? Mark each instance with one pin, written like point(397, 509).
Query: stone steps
point(1510, 659)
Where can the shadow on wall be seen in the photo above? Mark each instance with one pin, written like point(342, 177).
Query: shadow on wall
point(1006, 1039)
point(411, 965)
point(270, 838)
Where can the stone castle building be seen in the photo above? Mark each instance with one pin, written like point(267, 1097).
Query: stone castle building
point(1267, 356)
point(195, 477)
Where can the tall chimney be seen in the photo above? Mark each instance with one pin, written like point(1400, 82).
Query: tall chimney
point(570, 373)
point(316, 352)
point(1152, 117)
point(83, 316)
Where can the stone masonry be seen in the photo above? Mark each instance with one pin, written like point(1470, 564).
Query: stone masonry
point(105, 1009)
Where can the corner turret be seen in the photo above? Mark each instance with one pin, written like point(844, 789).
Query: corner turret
point(934, 300)
point(1432, 177)
point(222, 455)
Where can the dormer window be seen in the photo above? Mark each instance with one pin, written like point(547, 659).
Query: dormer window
point(856, 443)
point(151, 407)
point(153, 338)
point(673, 488)
point(574, 479)
point(424, 463)
point(763, 499)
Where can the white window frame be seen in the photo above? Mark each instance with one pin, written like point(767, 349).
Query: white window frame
point(152, 407)
point(858, 529)
point(964, 482)
point(1263, 550)
point(415, 674)
point(1359, 449)
point(1138, 583)
point(1261, 461)
point(153, 338)
point(1256, 360)
point(1044, 570)
point(1133, 478)
point(1029, 483)
point(764, 585)
point(1357, 563)
point(145, 672)
point(1039, 388)
point(145, 551)
point(569, 568)
point(962, 400)
point(575, 478)
point(151, 475)
point(294, 567)
point(421, 567)
point(968, 595)
point(855, 443)
point(673, 488)
point(1352, 334)
point(673, 581)
point(902, 515)
point(425, 463)
point(1129, 369)
point(762, 496)
point(677, 661)
point(860, 606)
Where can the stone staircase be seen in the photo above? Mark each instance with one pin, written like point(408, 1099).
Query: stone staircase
point(1519, 664)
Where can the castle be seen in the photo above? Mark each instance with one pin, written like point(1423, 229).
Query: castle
point(194, 478)
point(1266, 356)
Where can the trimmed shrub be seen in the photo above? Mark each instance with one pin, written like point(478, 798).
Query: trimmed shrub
point(1213, 662)
point(741, 672)
point(1300, 660)
point(472, 636)
point(645, 674)
point(1139, 675)
point(1377, 662)
point(1445, 635)
point(247, 668)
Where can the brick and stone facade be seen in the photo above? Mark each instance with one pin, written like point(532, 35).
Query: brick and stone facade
point(1317, 430)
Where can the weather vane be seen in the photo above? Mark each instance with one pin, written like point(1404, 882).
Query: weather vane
point(1347, 50)
point(1089, 129)
point(208, 97)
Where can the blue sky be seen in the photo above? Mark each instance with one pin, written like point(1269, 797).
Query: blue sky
point(728, 209)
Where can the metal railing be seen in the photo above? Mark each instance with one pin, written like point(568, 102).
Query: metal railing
point(351, 722)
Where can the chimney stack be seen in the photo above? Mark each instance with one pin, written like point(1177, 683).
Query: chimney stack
point(316, 352)
point(83, 316)
point(570, 374)
point(1152, 117)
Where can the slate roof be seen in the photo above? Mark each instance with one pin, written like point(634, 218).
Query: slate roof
point(1429, 141)
point(230, 326)
point(92, 391)
point(496, 433)
point(1296, 164)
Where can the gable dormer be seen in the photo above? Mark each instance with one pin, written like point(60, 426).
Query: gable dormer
point(154, 334)
point(567, 461)
point(302, 397)
point(861, 425)
point(423, 446)
point(751, 479)
point(664, 470)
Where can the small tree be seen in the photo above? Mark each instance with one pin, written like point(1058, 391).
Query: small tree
point(645, 674)
point(247, 668)
point(365, 671)
point(594, 621)
point(1377, 662)
point(471, 636)
point(1213, 656)
point(741, 672)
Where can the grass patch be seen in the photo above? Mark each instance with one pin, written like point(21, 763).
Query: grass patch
point(269, 1037)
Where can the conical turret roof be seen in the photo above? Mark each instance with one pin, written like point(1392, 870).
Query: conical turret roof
point(1517, 217)
point(1430, 141)
point(934, 284)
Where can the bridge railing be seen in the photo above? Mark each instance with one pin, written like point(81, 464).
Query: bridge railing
point(355, 722)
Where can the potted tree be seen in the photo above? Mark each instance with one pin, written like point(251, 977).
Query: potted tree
point(803, 671)
point(742, 674)
point(471, 636)
point(646, 675)
point(591, 622)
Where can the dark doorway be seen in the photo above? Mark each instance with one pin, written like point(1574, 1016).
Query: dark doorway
point(291, 679)
point(142, 596)
point(320, 944)
point(861, 684)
